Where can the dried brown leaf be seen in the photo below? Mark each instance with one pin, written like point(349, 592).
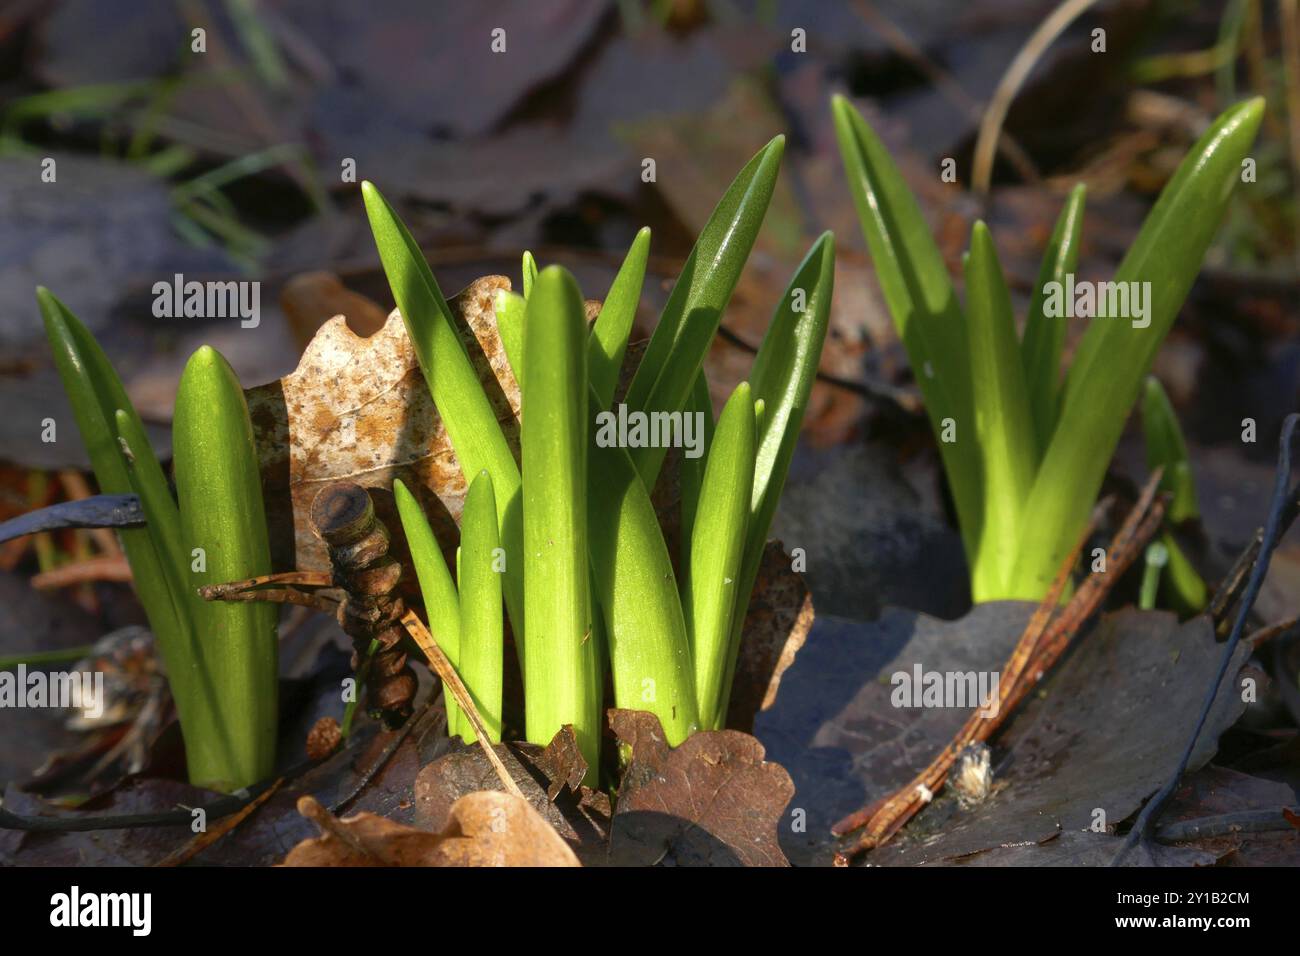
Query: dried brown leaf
point(549, 779)
point(484, 829)
point(777, 624)
point(712, 801)
point(359, 408)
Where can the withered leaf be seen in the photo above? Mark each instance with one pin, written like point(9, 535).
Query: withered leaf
point(549, 779)
point(483, 829)
point(777, 624)
point(359, 408)
point(712, 801)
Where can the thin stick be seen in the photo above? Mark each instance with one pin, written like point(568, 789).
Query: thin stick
point(256, 589)
point(310, 808)
point(223, 592)
point(990, 132)
point(1272, 533)
point(894, 809)
point(106, 567)
point(442, 666)
point(944, 82)
point(204, 840)
point(1040, 646)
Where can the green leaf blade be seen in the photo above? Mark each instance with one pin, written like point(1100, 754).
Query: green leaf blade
point(96, 393)
point(649, 651)
point(690, 318)
point(1003, 430)
point(1044, 338)
point(509, 310)
point(691, 470)
point(557, 672)
point(1166, 449)
point(219, 489)
point(717, 552)
point(467, 414)
point(482, 645)
point(613, 326)
point(1114, 356)
point(781, 381)
point(441, 601)
point(918, 290)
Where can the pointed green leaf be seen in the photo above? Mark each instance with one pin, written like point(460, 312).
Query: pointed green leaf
point(649, 653)
point(613, 326)
point(1044, 339)
point(1115, 355)
point(1166, 448)
point(558, 689)
point(717, 552)
point(529, 270)
point(466, 412)
point(1003, 431)
point(509, 307)
point(96, 394)
point(441, 602)
point(918, 290)
point(690, 318)
point(781, 381)
point(482, 637)
point(219, 490)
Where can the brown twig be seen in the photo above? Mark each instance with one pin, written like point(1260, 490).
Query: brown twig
point(945, 84)
point(310, 808)
point(1044, 640)
point(442, 666)
point(106, 567)
point(223, 826)
point(1263, 635)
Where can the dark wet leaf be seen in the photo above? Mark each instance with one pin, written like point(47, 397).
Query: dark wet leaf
point(563, 763)
point(103, 230)
point(712, 801)
point(32, 622)
point(1099, 737)
point(386, 57)
point(868, 551)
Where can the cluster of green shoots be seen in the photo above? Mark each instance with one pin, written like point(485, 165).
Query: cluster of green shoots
point(566, 534)
point(221, 658)
point(563, 537)
point(1024, 451)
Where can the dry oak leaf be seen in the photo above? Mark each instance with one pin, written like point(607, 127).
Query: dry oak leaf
point(359, 408)
point(777, 623)
point(711, 801)
point(484, 829)
point(550, 780)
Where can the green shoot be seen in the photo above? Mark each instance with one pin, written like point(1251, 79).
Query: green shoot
point(717, 550)
point(466, 412)
point(1023, 494)
point(690, 318)
point(1184, 588)
point(482, 636)
point(441, 602)
point(223, 529)
point(609, 335)
point(1001, 425)
point(559, 671)
point(1045, 335)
